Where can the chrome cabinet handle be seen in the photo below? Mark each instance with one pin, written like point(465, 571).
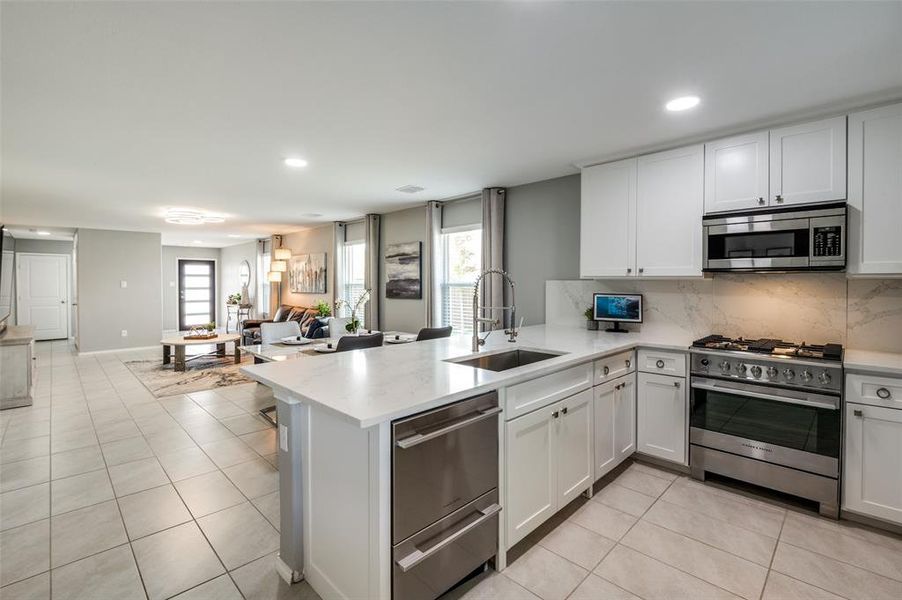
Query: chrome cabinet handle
point(884, 393)
point(857, 413)
point(564, 410)
point(555, 414)
point(629, 270)
point(627, 363)
point(779, 199)
point(676, 384)
point(760, 201)
point(606, 370)
point(418, 556)
point(660, 364)
point(641, 270)
point(419, 438)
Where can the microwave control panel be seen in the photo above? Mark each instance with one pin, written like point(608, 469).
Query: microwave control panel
point(828, 241)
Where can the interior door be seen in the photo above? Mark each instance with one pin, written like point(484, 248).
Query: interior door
point(197, 292)
point(42, 294)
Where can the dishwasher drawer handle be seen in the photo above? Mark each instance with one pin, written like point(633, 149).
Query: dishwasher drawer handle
point(418, 556)
point(419, 438)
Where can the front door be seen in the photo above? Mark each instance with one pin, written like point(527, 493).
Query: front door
point(42, 294)
point(197, 292)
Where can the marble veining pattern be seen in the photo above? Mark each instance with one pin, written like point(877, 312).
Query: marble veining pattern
point(875, 315)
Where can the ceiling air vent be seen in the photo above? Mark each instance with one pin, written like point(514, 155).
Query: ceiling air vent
point(410, 189)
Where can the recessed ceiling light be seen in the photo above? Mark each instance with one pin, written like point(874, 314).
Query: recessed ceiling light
point(43, 233)
point(198, 241)
point(682, 103)
point(295, 163)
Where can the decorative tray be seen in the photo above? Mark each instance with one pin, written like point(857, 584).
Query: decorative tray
point(206, 336)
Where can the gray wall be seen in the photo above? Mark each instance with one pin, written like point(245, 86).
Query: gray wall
point(170, 283)
point(541, 240)
point(104, 259)
point(230, 259)
point(403, 226)
point(311, 241)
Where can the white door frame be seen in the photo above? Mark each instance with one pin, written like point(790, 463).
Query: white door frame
point(68, 310)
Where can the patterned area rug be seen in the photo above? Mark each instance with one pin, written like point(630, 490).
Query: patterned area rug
point(202, 374)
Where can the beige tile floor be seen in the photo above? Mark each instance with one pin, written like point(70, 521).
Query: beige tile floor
point(107, 493)
point(653, 534)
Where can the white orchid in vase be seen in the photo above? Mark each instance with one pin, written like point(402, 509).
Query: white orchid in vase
point(354, 324)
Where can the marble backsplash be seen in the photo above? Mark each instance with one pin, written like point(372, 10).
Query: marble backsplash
point(812, 307)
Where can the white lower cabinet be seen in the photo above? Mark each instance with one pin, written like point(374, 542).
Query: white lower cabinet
point(549, 462)
point(661, 417)
point(872, 479)
point(615, 423)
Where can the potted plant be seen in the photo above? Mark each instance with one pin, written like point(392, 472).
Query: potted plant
point(235, 298)
point(323, 309)
point(591, 323)
point(354, 324)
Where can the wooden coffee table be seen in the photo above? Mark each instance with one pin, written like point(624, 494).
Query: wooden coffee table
point(179, 343)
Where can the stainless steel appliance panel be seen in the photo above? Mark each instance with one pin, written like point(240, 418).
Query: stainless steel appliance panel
point(432, 561)
point(441, 460)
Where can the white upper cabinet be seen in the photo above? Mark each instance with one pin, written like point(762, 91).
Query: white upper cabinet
point(808, 162)
point(608, 220)
point(670, 203)
point(875, 191)
point(736, 173)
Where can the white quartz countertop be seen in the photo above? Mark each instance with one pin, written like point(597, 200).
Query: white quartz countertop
point(888, 363)
point(372, 386)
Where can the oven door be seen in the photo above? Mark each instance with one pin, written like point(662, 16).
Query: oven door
point(793, 428)
point(758, 245)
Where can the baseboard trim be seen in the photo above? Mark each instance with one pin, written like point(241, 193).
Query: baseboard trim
point(114, 350)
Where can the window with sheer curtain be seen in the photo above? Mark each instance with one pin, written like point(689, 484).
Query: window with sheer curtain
point(353, 261)
point(461, 263)
point(263, 285)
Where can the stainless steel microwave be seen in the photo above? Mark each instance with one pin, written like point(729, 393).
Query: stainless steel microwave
point(811, 238)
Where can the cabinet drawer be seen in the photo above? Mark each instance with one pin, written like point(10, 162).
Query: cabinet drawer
point(528, 396)
point(874, 390)
point(662, 362)
point(612, 367)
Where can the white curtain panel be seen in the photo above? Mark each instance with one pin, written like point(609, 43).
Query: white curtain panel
point(275, 289)
point(338, 251)
point(373, 227)
point(493, 287)
point(432, 293)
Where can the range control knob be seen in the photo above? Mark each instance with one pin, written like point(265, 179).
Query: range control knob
point(772, 372)
point(740, 368)
point(724, 365)
point(756, 371)
point(789, 374)
point(806, 376)
point(704, 362)
point(824, 378)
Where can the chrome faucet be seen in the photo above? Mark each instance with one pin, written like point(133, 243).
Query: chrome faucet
point(477, 311)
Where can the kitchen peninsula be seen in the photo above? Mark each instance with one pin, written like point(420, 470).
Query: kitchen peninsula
point(335, 436)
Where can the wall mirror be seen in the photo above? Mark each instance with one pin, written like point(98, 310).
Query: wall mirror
point(244, 273)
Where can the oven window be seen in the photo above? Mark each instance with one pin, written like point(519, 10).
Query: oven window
point(758, 245)
point(805, 428)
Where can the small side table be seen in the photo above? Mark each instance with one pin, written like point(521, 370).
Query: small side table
point(241, 312)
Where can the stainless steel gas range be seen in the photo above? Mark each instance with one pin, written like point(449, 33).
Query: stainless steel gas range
point(768, 412)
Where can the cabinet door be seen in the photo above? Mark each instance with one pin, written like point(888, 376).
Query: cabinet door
point(574, 447)
point(808, 162)
point(873, 479)
point(670, 201)
point(736, 173)
point(661, 417)
point(875, 191)
point(605, 422)
point(608, 220)
point(531, 471)
point(625, 419)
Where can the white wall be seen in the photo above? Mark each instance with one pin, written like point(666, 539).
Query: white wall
point(170, 282)
point(105, 258)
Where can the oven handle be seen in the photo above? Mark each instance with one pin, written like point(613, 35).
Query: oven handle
point(418, 556)
point(743, 390)
point(418, 438)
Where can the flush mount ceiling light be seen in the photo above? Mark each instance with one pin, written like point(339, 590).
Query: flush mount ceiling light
point(682, 103)
point(43, 233)
point(181, 216)
point(198, 241)
point(410, 189)
point(294, 162)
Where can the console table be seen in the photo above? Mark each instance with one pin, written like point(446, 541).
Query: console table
point(238, 311)
point(17, 366)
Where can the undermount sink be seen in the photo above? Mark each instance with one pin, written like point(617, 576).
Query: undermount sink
point(502, 361)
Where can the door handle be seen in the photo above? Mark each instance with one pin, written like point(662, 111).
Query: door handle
point(418, 556)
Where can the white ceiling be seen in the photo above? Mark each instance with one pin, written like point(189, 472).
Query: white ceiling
point(113, 112)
